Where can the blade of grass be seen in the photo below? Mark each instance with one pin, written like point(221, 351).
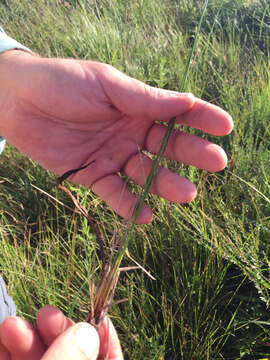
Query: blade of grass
point(250, 185)
point(165, 140)
point(153, 171)
point(108, 284)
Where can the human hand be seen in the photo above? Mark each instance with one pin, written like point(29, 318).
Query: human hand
point(65, 113)
point(56, 337)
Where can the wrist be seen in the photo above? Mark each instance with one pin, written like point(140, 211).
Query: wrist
point(12, 63)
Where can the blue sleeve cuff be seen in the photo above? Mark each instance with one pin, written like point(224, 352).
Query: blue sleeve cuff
point(7, 43)
point(7, 306)
point(2, 144)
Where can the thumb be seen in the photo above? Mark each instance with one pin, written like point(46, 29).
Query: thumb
point(79, 342)
point(133, 97)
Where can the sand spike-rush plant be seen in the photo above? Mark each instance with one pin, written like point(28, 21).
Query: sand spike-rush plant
point(102, 292)
point(165, 140)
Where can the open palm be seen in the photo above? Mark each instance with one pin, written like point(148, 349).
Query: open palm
point(65, 113)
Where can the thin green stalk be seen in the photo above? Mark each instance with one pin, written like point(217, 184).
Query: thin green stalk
point(149, 181)
point(165, 140)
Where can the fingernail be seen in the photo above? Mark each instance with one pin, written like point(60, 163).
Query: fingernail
point(86, 339)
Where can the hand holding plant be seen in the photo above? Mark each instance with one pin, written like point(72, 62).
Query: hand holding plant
point(65, 113)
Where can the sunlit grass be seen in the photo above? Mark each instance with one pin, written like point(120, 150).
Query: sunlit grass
point(210, 258)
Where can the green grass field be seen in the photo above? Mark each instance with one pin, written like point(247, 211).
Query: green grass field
point(210, 258)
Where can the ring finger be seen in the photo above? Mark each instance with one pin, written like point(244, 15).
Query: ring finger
point(166, 184)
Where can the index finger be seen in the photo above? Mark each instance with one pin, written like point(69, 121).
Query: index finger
point(207, 117)
point(110, 347)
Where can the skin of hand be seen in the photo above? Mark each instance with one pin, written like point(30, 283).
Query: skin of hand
point(64, 113)
point(57, 337)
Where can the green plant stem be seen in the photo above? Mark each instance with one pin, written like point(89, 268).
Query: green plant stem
point(165, 140)
point(149, 181)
